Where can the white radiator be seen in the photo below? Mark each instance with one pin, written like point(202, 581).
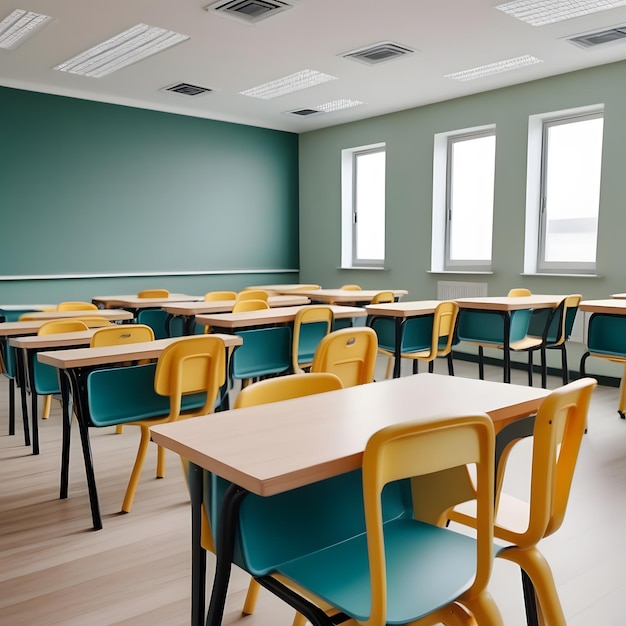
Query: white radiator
point(452, 289)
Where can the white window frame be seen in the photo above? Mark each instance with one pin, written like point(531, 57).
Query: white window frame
point(349, 218)
point(535, 227)
point(440, 258)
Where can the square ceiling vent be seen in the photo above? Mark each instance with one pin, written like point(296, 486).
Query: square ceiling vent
point(600, 37)
point(306, 112)
point(250, 11)
point(186, 89)
point(378, 53)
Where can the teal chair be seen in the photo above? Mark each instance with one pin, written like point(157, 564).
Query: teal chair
point(264, 352)
point(321, 546)
point(160, 323)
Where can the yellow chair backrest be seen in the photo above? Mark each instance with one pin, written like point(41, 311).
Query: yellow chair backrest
point(444, 322)
point(518, 292)
point(153, 293)
point(249, 305)
point(351, 287)
point(76, 306)
point(571, 302)
point(350, 353)
point(383, 297)
point(212, 296)
point(253, 294)
point(408, 450)
point(191, 365)
point(54, 327)
point(286, 388)
point(308, 315)
point(115, 335)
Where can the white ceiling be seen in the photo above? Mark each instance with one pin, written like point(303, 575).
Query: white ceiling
point(228, 55)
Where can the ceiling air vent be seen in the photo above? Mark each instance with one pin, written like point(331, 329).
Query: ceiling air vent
point(185, 89)
point(250, 11)
point(378, 53)
point(600, 37)
point(304, 112)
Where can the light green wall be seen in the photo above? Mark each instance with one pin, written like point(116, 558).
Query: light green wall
point(409, 139)
point(94, 188)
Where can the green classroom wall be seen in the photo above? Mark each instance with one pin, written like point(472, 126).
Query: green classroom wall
point(100, 189)
point(409, 139)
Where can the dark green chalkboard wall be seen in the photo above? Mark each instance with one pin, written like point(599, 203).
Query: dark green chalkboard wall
point(97, 188)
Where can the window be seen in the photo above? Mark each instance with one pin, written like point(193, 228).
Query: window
point(363, 206)
point(569, 199)
point(463, 193)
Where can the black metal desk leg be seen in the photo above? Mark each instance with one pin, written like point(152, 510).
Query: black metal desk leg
point(67, 430)
point(198, 555)
point(225, 548)
point(507, 347)
point(30, 371)
point(398, 349)
point(21, 382)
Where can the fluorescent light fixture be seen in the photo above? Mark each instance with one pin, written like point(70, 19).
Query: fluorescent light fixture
point(288, 84)
point(542, 12)
point(338, 105)
point(132, 45)
point(17, 27)
point(494, 68)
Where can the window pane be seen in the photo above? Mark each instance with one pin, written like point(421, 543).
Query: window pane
point(472, 167)
point(572, 191)
point(370, 205)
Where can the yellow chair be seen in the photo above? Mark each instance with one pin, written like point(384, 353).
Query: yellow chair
point(212, 296)
point(444, 323)
point(306, 287)
point(54, 327)
point(153, 293)
point(558, 431)
point(383, 297)
point(252, 294)
point(115, 335)
point(404, 571)
point(310, 325)
point(76, 306)
point(190, 365)
point(350, 353)
point(249, 305)
point(265, 392)
point(95, 321)
point(519, 292)
point(351, 287)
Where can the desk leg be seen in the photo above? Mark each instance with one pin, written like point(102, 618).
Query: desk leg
point(21, 382)
point(198, 554)
point(34, 409)
point(398, 349)
point(67, 429)
point(507, 347)
point(82, 412)
point(224, 548)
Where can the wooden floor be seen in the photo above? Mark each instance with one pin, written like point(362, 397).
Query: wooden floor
point(136, 571)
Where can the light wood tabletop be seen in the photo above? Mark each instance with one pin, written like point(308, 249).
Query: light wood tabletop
point(30, 327)
point(273, 448)
point(279, 315)
point(225, 306)
point(88, 357)
point(339, 296)
point(40, 342)
point(612, 306)
point(619, 296)
point(510, 303)
point(403, 309)
point(134, 302)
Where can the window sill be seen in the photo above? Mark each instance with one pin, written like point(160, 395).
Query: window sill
point(556, 275)
point(358, 267)
point(479, 272)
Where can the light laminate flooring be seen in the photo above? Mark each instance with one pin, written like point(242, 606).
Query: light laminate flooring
point(136, 571)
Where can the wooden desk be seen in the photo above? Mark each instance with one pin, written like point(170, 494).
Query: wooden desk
point(619, 296)
point(26, 350)
point(286, 288)
point(503, 307)
point(113, 315)
point(270, 449)
point(347, 296)
point(77, 363)
point(133, 302)
point(615, 306)
point(231, 322)
point(11, 312)
point(189, 310)
point(399, 312)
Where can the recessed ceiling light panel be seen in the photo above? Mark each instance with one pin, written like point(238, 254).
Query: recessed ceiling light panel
point(338, 105)
point(288, 84)
point(19, 26)
point(132, 45)
point(542, 12)
point(494, 68)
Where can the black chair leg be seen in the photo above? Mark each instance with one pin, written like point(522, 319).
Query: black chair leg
point(11, 406)
point(415, 366)
point(450, 364)
point(481, 366)
point(530, 601)
point(564, 370)
point(530, 368)
point(544, 369)
point(431, 366)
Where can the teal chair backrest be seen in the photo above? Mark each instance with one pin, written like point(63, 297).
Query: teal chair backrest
point(310, 336)
point(385, 329)
point(46, 379)
point(279, 528)
point(264, 351)
point(488, 327)
point(607, 335)
point(126, 394)
point(157, 320)
point(417, 333)
point(8, 359)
